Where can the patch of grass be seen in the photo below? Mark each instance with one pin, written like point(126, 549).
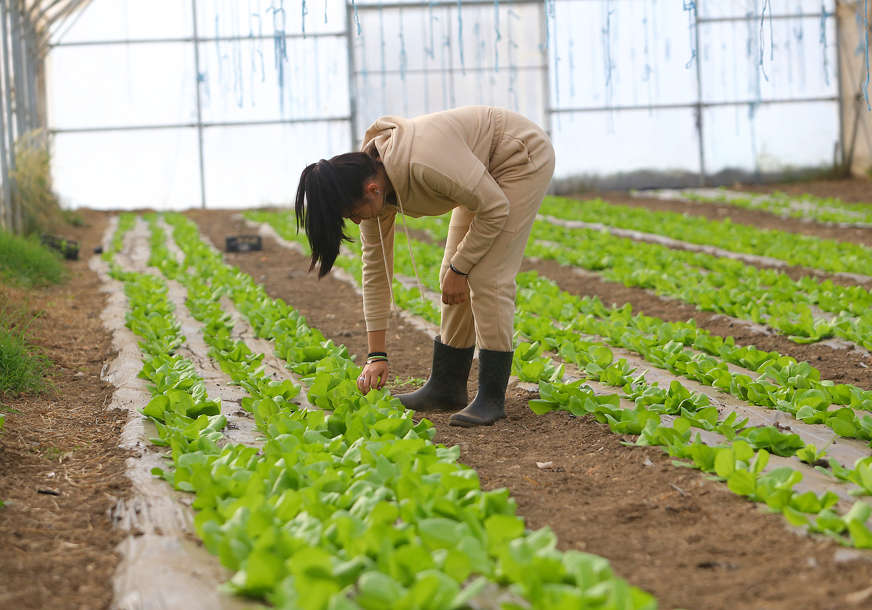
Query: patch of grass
point(73, 218)
point(25, 262)
point(22, 368)
point(40, 206)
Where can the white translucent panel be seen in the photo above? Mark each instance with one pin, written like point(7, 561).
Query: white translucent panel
point(241, 80)
point(792, 62)
point(416, 38)
point(743, 8)
point(433, 38)
point(620, 53)
point(611, 142)
point(142, 84)
point(266, 17)
point(259, 165)
point(125, 170)
point(128, 20)
point(419, 93)
point(770, 137)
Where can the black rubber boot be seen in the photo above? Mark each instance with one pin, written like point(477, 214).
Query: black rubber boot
point(488, 406)
point(446, 388)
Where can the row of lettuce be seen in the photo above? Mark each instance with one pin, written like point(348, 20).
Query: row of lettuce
point(792, 248)
point(586, 330)
point(806, 309)
point(804, 207)
point(350, 505)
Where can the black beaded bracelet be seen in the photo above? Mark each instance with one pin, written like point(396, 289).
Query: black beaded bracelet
point(371, 354)
point(455, 270)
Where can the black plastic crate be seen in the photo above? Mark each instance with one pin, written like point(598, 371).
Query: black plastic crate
point(243, 243)
point(67, 247)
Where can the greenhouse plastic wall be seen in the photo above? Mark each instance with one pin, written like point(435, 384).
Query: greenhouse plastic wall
point(20, 100)
point(633, 92)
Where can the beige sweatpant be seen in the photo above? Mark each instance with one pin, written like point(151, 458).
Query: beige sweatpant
point(524, 164)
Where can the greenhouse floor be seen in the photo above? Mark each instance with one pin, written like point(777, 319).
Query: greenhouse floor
point(671, 531)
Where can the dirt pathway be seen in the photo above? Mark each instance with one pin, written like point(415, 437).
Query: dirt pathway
point(61, 470)
point(666, 529)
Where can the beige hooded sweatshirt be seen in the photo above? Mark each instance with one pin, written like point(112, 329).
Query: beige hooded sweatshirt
point(435, 163)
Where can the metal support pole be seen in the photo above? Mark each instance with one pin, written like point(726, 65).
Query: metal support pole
point(9, 141)
point(18, 62)
point(352, 74)
point(199, 106)
point(26, 67)
point(6, 195)
point(699, 106)
point(32, 60)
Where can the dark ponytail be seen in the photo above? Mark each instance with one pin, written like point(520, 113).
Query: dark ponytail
point(325, 195)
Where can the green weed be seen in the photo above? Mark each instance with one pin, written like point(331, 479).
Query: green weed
point(25, 262)
point(399, 382)
point(22, 368)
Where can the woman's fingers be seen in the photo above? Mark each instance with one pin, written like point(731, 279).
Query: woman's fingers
point(373, 376)
point(363, 383)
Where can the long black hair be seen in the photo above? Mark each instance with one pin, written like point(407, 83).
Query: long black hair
point(326, 194)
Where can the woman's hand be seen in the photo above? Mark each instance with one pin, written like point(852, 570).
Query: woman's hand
point(373, 376)
point(455, 288)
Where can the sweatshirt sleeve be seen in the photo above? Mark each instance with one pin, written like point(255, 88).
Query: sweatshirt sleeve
point(478, 192)
point(377, 274)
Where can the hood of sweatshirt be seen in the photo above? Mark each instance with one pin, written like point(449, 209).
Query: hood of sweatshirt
point(392, 137)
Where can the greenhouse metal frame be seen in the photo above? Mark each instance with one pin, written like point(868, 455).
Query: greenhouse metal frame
point(28, 28)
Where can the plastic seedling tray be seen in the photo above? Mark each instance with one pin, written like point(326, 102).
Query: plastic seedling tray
point(67, 247)
point(243, 243)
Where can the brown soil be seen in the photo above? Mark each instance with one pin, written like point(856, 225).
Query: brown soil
point(61, 470)
point(668, 530)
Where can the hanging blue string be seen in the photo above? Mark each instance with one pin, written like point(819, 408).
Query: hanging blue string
point(551, 40)
point(238, 79)
point(280, 48)
point(513, 68)
point(304, 10)
point(823, 41)
point(762, 24)
point(259, 47)
point(384, 69)
point(315, 67)
point(479, 61)
point(571, 68)
point(646, 51)
point(325, 12)
point(866, 50)
point(608, 62)
point(356, 15)
point(403, 64)
point(425, 66)
point(500, 37)
point(460, 35)
point(689, 7)
point(218, 50)
point(431, 50)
